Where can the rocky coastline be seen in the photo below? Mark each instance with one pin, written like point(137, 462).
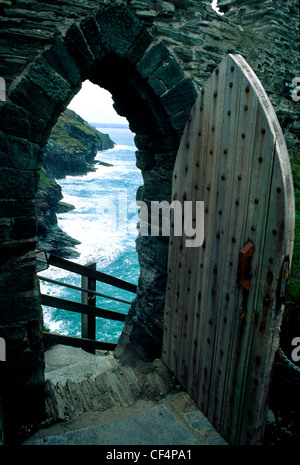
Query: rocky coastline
point(71, 150)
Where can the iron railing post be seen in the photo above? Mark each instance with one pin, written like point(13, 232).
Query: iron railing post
point(88, 322)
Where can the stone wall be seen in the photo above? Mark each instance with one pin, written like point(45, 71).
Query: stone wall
point(276, 25)
point(153, 56)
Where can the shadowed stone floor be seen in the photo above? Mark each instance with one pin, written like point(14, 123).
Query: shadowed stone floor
point(95, 400)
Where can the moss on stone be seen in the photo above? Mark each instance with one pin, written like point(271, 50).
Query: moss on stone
point(45, 182)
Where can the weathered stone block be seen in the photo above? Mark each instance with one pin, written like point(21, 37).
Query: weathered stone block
point(15, 308)
point(18, 273)
point(180, 98)
point(161, 253)
point(295, 129)
point(79, 50)
point(185, 54)
point(14, 120)
point(40, 130)
point(32, 98)
point(16, 247)
point(16, 184)
point(157, 85)
point(142, 141)
point(144, 160)
point(1, 423)
point(16, 208)
point(59, 58)
point(119, 29)
point(178, 36)
point(162, 120)
point(23, 385)
point(139, 340)
point(165, 161)
point(93, 37)
point(164, 144)
point(139, 46)
point(168, 74)
point(54, 86)
point(5, 229)
point(17, 153)
point(23, 228)
point(156, 188)
point(179, 121)
point(143, 331)
point(152, 59)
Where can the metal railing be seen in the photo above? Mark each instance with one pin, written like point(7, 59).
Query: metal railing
point(88, 309)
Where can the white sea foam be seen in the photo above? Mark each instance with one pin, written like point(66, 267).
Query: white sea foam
point(106, 232)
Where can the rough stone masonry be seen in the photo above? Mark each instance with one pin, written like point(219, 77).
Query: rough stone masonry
point(153, 56)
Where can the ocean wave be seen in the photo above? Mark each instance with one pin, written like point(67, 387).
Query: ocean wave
point(95, 222)
point(118, 147)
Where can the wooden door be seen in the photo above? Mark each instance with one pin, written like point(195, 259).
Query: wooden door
point(225, 299)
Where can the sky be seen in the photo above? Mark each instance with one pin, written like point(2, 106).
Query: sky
point(214, 4)
point(94, 104)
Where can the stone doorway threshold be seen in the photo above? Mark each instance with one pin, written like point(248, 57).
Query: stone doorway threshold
point(96, 400)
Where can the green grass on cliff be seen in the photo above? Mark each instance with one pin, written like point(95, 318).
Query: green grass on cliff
point(61, 131)
point(67, 128)
point(45, 181)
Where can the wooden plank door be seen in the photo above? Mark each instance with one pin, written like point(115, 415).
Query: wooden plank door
point(225, 299)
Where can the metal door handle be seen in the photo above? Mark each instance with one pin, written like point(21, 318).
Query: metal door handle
point(244, 267)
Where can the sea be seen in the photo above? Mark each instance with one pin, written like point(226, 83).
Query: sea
point(104, 220)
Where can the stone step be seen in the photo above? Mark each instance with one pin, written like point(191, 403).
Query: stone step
point(97, 400)
point(175, 420)
point(78, 382)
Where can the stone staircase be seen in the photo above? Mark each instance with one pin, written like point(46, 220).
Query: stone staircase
point(94, 399)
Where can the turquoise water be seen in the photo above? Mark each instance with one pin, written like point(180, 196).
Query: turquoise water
point(104, 221)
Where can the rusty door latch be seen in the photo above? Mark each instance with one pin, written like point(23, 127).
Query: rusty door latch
point(284, 278)
point(244, 266)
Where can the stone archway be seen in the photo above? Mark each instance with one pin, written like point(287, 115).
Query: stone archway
point(133, 48)
point(111, 48)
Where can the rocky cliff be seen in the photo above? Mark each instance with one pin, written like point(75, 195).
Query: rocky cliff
point(72, 146)
point(71, 150)
point(48, 202)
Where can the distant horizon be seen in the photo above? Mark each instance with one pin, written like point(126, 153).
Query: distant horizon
point(108, 125)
